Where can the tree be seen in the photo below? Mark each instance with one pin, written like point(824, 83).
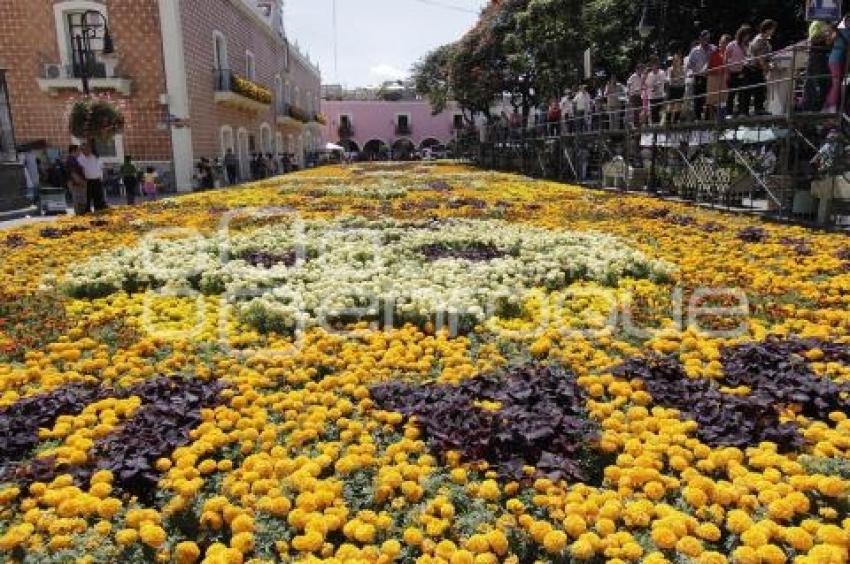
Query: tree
point(431, 75)
point(548, 43)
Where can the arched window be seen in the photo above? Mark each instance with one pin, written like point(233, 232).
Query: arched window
point(227, 141)
point(265, 138)
point(220, 60)
point(70, 21)
point(250, 66)
point(278, 143)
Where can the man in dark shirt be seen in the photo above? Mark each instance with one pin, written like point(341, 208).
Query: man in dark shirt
point(76, 180)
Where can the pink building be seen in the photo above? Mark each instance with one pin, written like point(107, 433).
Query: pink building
point(370, 126)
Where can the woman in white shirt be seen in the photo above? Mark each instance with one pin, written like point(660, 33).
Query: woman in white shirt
point(656, 79)
point(581, 103)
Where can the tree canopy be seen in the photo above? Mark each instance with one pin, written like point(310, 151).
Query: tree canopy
point(532, 50)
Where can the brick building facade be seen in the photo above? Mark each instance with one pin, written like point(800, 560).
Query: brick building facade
point(193, 78)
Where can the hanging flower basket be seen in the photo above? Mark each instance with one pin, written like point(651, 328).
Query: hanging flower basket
point(95, 119)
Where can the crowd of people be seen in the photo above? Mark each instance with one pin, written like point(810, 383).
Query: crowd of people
point(87, 181)
point(709, 81)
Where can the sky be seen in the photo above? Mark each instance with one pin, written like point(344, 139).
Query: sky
point(377, 40)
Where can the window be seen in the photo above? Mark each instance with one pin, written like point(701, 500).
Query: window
point(403, 121)
point(278, 143)
point(71, 21)
point(227, 140)
point(252, 143)
point(220, 51)
point(265, 138)
point(250, 66)
point(7, 141)
point(457, 121)
point(345, 121)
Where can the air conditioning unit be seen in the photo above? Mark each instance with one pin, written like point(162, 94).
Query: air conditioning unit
point(54, 71)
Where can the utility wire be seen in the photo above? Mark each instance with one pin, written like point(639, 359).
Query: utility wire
point(437, 4)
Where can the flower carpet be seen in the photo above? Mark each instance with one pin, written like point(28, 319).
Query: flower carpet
point(423, 363)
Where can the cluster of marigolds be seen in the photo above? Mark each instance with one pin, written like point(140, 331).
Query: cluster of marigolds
point(295, 461)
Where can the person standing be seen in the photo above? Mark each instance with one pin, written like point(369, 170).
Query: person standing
point(582, 103)
point(633, 89)
point(231, 166)
point(736, 57)
point(821, 37)
point(717, 77)
point(697, 67)
point(837, 65)
point(76, 180)
point(613, 95)
point(656, 79)
point(676, 87)
point(93, 170)
point(150, 179)
point(757, 67)
point(130, 178)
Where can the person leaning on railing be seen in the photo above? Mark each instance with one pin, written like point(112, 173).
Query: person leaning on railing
point(697, 67)
point(757, 67)
point(736, 56)
point(837, 65)
point(676, 87)
point(817, 68)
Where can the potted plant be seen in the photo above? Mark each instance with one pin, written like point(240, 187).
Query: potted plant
point(95, 120)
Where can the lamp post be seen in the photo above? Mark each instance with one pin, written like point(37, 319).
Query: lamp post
point(83, 53)
point(645, 28)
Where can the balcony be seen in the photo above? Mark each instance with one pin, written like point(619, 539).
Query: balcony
point(238, 92)
point(56, 78)
point(403, 129)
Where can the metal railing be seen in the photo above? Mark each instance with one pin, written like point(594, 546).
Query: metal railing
point(763, 162)
point(403, 129)
point(223, 80)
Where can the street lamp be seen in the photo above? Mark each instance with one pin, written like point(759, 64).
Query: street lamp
point(647, 20)
point(83, 40)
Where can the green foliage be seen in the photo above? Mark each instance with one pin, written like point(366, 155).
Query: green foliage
point(95, 119)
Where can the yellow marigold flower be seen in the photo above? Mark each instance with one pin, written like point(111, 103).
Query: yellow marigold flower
point(412, 536)
point(243, 542)
point(709, 532)
point(445, 548)
point(574, 525)
point(108, 508)
point(780, 510)
point(242, 524)
point(833, 534)
point(746, 555)
point(655, 558)
point(754, 537)
point(101, 477)
point(711, 557)
point(311, 541)
point(391, 548)
point(126, 537)
point(689, 546)
point(101, 490)
point(462, 557)
point(489, 490)
point(477, 544)
point(187, 552)
point(664, 538)
point(555, 541)
point(582, 549)
point(60, 542)
point(152, 535)
point(738, 521)
point(498, 542)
